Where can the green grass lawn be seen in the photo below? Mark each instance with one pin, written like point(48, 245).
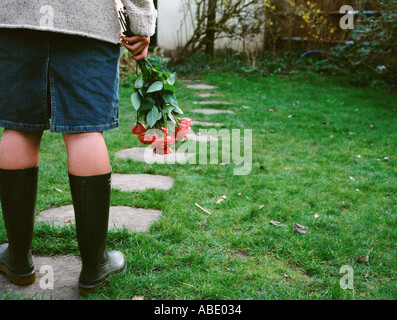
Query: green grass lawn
point(329, 149)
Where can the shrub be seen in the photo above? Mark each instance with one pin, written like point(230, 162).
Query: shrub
point(370, 56)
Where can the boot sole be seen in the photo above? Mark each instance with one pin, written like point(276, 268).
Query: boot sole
point(86, 290)
point(19, 280)
point(83, 292)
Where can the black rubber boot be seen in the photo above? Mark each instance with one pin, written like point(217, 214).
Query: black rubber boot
point(18, 191)
point(91, 202)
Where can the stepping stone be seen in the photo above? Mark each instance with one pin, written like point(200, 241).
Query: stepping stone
point(212, 111)
point(201, 137)
point(63, 272)
point(140, 182)
point(201, 86)
point(189, 80)
point(134, 219)
point(145, 154)
point(209, 95)
point(58, 216)
point(206, 124)
point(212, 102)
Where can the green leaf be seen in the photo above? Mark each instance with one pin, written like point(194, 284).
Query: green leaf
point(177, 110)
point(156, 86)
point(171, 116)
point(136, 100)
point(169, 87)
point(152, 116)
point(138, 83)
point(171, 79)
point(168, 109)
point(170, 98)
point(164, 76)
point(148, 104)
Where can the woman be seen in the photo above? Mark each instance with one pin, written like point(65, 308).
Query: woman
point(59, 71)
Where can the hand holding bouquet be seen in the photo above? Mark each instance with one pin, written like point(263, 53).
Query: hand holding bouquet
point(157, 110)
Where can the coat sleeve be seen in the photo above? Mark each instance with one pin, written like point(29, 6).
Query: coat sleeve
point(143, 16)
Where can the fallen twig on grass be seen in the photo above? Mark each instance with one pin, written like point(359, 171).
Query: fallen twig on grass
point(197, 205)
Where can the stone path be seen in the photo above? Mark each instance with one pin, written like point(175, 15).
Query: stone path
point(141, 182)
point(208, 111)
point(134, 219)
point(212, 111)
point(64, 273)
point(210, 102)
point(206, 124)
point(201, 86)
point(145, 154)
point(209, 95)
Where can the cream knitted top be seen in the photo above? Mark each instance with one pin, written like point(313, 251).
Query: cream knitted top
point(96, 19)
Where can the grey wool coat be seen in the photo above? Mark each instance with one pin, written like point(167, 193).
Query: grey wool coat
point(96, 19)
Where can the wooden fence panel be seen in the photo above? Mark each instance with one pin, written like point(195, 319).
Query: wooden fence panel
point(295, 33)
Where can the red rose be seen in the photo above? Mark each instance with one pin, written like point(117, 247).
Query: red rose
point(138, 129)
point(162, 146)
point(163, 151)
point(182, 131)
point(146, 138)
point(187, 121)
point(163, 143)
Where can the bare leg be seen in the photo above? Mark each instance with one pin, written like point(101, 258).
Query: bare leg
point(19, 149)
point(87, 154)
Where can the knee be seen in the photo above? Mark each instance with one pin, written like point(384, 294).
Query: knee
point(17, 136)
point(84, 138)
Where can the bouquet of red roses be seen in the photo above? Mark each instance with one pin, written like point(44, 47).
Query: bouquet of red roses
point(158, 121)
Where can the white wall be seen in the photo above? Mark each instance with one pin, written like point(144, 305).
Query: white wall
point(119, 5)
point(171, 32)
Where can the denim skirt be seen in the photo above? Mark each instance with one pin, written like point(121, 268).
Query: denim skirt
point(56, 81)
